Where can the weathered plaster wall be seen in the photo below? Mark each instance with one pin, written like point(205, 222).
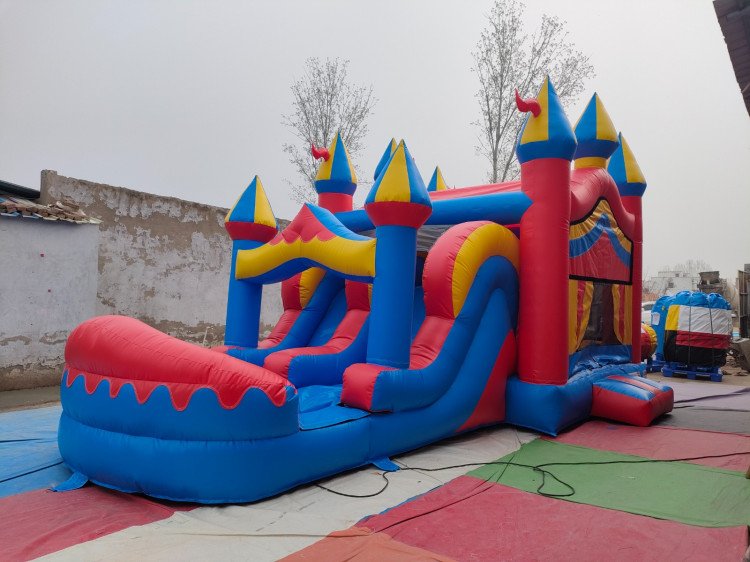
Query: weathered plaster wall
point(47, 287)
point(161, 259)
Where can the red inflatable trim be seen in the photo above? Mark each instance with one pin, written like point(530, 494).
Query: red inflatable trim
point(357, 295)
point(543, 273)
point(633, 381)
point(357, 300)
point(429, 341)
point(475, 190)
point(290, 296)
point(335, 202)
point(123, 351)
point(620, 407)
point(491, 405)
point(397, 213)
point(600, 262)
point(437, 279)
point(281, 329)
point(359, 384)
point(587, 186)
point(305, 226)
point(360, 378)
point(345, 333)
point(250, 231)
point(697, 339)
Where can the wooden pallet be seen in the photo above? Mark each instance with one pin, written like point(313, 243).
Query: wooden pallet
point(691, 372)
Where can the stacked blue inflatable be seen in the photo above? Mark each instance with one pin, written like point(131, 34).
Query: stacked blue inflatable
point(693, 331)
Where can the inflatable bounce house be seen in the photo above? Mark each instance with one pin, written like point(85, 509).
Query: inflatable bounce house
point(427, 313)
point(693, 331)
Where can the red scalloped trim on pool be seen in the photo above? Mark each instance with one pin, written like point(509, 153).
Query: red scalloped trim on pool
point(124, 350)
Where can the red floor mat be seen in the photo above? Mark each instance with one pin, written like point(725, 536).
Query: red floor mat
point(362, 545)
point(662, 443)
point(37, 523)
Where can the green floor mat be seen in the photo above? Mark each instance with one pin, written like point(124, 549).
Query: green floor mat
point(678, 491)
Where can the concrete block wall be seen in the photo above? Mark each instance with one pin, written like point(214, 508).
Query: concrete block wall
point(162, 260)
point(48, 284)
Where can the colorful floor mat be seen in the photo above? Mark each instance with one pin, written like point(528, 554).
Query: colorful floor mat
point(698, 509)
point(453, 516)
point(677, 491)
point(662, 443)
point(36, 523)
point(475, 520)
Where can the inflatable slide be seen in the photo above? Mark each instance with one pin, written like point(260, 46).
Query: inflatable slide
point(427, 313)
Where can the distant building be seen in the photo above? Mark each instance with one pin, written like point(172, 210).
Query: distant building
point(670, 282)
point(743, 300)
point(711, 283)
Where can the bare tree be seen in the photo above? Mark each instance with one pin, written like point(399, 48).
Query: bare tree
point(324, 103)
point(505, 58)
point(691, 267)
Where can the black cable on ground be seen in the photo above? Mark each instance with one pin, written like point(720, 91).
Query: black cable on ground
point(540, 468)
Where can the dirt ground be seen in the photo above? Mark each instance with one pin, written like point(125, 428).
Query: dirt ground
point(30, 398)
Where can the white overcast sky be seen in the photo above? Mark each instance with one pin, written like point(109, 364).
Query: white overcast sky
point(184, 98)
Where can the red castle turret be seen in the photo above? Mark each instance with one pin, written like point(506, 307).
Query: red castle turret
point(631, 184)
point(545, 148)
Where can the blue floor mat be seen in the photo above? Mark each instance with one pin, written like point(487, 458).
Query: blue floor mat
point(29, 458)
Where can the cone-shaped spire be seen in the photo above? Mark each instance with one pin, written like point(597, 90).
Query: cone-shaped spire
point(437, 181)
point(625, 170)
point(596, 136)
point(251, 217)
point(398, 196)
point(389, 150)
point(336, 175)
point(548, 134)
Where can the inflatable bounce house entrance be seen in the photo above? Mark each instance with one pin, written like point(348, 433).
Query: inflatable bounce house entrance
point(428, 313)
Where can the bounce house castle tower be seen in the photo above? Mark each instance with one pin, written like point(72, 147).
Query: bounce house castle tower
point(336, 180)
point(437, 181)
point(524, 310)
point(387, 153)
point(545, 148)
point(398, 204)
point(250, 223)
